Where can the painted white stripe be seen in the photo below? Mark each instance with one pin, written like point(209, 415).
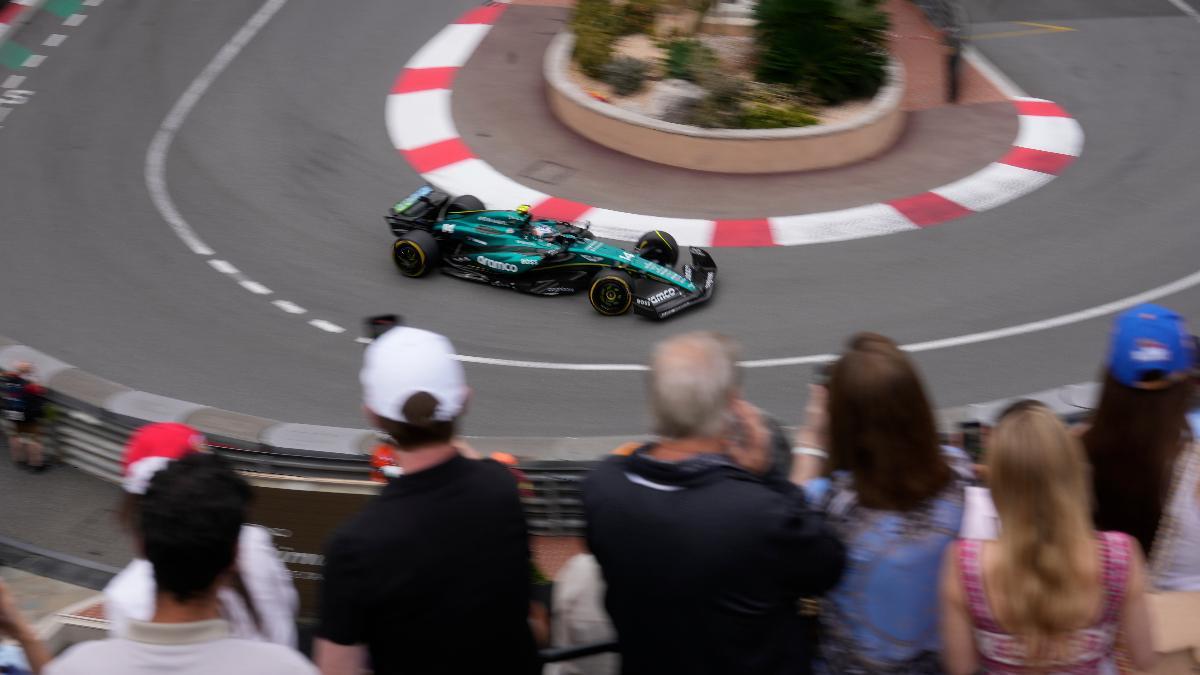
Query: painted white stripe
point(631, 226)
point(420, 118)
point(543, 365)
point(991, 72)
point(477, 177)
point(326, 326)
point(54, 40)
point(451, 47)
point(156, 154)
point(13, 81)
point(993, 185)
point(861, 221)
point(254, 287)
point(363, 340)
point(74, 19)
point(222, 266)
point(92, 3)
point(1186, 9)
point(27, 3)
point(34, 60)
point(1052, 134)
point(1099, 311)
point(289, 307)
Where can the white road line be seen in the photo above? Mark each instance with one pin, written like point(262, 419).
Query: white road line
point(92, 3)
point(326, 326)
point(156, 154)
point(34, 60)
point(74, 20)
point(54, 40)
point(289, 307)
point(363, 340)
point(13, 81)
point(1186, 9)
point(1096, 312)
point(254, 287)
point(222, 266)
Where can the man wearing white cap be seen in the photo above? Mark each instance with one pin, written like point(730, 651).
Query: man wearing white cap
point(433, 575)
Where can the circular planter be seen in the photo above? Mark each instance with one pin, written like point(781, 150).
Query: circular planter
point(724, 150)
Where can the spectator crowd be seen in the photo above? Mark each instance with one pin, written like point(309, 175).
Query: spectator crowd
point(865, 546)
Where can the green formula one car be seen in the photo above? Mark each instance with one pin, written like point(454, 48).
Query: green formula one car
point(512, 249)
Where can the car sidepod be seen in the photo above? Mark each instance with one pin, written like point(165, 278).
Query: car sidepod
point(658, 299)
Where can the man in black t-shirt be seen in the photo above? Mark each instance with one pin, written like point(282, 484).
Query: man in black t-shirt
point(433, 576)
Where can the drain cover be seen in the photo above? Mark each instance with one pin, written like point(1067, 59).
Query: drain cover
point(547, 172)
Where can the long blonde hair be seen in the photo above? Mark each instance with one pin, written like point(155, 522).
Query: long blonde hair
point(1046, 572)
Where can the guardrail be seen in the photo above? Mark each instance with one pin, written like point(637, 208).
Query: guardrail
point(93, 419)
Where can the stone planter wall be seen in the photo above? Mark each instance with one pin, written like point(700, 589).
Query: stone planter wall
point(723, 150)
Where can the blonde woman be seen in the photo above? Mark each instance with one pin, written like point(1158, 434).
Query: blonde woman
point(1051, 594)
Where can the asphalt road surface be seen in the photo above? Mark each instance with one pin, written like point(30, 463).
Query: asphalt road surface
point(284, 169)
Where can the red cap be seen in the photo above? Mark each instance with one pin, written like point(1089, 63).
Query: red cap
point(151, 447)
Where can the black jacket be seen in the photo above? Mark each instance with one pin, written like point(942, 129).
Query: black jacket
point(705, 563)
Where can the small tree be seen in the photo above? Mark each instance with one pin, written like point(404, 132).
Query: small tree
point(833, 48)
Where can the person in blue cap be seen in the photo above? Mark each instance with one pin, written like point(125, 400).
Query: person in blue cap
point(1145, 462)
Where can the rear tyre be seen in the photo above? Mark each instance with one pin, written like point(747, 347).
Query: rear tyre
point(415, 253)
point(465, 203)
point(658, 246)
point(611, 293)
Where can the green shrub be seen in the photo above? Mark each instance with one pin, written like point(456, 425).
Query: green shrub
point(596, 14)
point(626, 75)
point(593, 49)
point(722, 108)
point(764, 116)
point(689, 59)
point(833, 48)
point(597, 27)
point(637, 16)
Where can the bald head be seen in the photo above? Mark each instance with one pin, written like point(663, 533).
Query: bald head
point(693, 382)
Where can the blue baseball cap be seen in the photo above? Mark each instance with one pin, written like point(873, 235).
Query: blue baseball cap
point(1151, 348)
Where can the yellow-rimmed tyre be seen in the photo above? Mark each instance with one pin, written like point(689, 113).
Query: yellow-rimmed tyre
point(658, 246)
point(415, 253)
point(611, 293)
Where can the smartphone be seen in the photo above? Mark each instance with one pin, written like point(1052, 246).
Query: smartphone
point(972, 439)
point(377, 325)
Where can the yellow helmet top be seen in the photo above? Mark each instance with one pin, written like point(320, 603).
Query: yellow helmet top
point(523, 209)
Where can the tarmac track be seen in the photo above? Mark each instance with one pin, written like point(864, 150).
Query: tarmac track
point(284, 168)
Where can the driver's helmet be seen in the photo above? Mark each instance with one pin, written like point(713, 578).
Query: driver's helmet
point(523, 211)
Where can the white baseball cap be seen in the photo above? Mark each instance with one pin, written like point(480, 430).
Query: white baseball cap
point(404, 363)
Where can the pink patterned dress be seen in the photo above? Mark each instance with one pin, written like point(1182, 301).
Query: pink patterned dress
point(1090, 649)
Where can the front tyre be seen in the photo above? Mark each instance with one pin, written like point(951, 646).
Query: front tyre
point(464, 204)
point(611, 293)
point(415, 253)
point(658, 246)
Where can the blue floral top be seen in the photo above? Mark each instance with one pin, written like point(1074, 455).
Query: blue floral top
point(882, 617)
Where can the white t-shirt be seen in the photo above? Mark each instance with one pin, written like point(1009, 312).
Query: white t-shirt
point(130, 594)
point(200, 648)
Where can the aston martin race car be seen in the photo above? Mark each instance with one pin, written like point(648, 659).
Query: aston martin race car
point(513, 249)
